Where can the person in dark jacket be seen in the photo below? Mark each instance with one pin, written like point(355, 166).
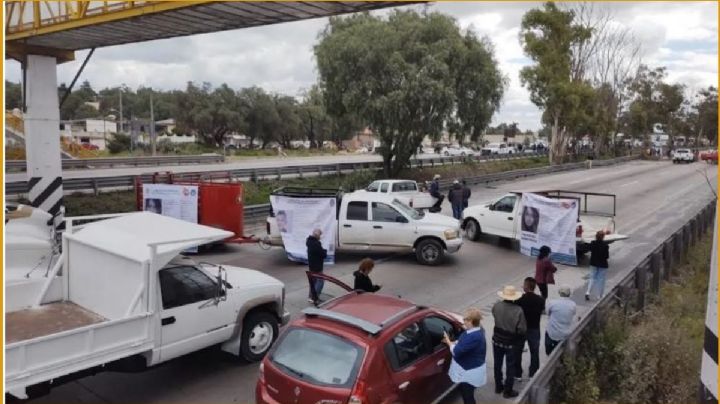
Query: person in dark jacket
point(508, 333)
point(599, 254)
point(466, 194)
point(455, 197)
point(532, 306)
point(435, 193)
point(467, 368)
point(362, 277)
point(316, 257)
point(544, 271)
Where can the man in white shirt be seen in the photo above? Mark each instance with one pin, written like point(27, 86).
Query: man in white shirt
point(560, 318)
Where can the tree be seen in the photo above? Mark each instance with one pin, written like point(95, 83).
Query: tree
point(288, 127)
point(401, 76)
point(547, 36)
point(706, 107)
point(261, 118)
point(211, 114)
point(314, 118)
point(652, 101)
point(13, 95)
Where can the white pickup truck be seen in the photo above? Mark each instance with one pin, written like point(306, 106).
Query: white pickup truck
point(121, 298)
point(406, 191)
point(501, 217)
point(375, 221)
point(496, 148)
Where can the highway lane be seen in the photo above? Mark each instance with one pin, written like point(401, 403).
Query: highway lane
point(654, 199)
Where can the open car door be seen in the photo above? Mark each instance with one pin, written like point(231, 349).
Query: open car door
point(315, 276)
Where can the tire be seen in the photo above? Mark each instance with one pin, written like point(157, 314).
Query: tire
point(260, 330)
point(472, 230)
point(447, 154)
point(429, 252)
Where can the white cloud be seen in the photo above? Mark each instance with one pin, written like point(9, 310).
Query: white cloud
point(681, 36)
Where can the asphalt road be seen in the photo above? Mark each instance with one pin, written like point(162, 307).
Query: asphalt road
point(653, 200)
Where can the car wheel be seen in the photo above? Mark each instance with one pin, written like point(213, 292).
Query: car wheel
point(447, 154)
point(472, 230)
point(429, 252)
point(260, 329)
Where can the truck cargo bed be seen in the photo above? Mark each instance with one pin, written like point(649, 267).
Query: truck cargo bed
point(47, 319)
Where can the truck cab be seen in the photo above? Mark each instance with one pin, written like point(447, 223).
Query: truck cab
point(407, 191)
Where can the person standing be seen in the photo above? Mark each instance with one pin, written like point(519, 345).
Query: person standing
point(599, 254)
point(466, 194)
point(532, 306)
point(560, 317)
point(455, 197)
point(316, 257)
point(467, 368)
point(509, 331)
point(362, 277)
point(435, 193)
point(544, 271)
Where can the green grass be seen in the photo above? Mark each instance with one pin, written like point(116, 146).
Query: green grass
point(651, 358)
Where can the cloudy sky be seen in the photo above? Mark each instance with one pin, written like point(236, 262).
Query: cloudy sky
point(682, 36)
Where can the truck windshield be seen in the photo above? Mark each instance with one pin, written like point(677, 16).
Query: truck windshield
point(318, 358)
point(414, 214)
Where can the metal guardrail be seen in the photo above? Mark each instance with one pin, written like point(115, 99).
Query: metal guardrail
point(253, 174)
point(257, 213)
point(105, 162)
point(631, 293)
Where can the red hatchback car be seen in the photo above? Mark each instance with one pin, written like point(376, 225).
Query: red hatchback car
point(360, 348)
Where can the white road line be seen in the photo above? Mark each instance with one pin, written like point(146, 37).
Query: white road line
point(629, 183)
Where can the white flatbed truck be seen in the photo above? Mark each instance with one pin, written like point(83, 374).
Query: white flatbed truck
point(121, 297)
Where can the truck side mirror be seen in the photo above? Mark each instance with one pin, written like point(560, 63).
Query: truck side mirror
point(491, 207)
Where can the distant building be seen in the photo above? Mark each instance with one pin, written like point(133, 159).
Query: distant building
point(365, 138)
point(91, 132)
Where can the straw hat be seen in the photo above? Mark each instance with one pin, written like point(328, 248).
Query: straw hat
point(509, 293)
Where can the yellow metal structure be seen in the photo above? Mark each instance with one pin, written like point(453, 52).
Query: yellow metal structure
point(58, 28)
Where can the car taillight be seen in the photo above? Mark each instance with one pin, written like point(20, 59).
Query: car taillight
point(579, 231)
point(358, 394)
point(261, 373)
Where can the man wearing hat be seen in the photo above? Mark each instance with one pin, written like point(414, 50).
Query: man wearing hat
point(435, 193)
point(509, 332)
point(455, 196)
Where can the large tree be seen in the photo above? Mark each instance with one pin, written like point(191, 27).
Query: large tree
point(401, 75)
point(706, 111)
point(211, 114)
point(315, 121)
point(261, 119)
point(548, 36)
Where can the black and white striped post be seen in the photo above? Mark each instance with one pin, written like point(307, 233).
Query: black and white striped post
point(709, 368)
point(42, 134)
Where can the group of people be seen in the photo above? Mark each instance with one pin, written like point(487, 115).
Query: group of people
point(458, 196)
point(517, 323)
point(516, 317)
point(316, 258)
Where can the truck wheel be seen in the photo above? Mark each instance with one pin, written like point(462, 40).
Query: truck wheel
point(472, 230)
point(429, 252)
point(260, 329)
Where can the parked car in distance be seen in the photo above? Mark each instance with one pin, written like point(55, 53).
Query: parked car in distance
point(683, 156)
point(457, 151)
point(407, 191)
point(497, 148)
point(89, 146)
point(710, 156)
point(360, 348)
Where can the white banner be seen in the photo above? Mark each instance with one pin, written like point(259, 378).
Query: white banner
point(298, 217)
point(178, 201)
point(551, 222)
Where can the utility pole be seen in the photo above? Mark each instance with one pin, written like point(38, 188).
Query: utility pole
point(153, 145)
point(121, 111)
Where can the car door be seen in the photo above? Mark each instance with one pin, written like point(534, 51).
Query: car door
point(355, 227)
point(191, 317)
point(434, 326)
point(390, 228)
point(500, 218)
point(411, 364)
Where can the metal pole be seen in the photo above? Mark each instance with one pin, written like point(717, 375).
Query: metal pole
point(121, 111)
point(152, 125)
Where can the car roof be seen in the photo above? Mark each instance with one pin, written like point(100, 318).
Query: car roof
point(393, 181)
point(365, 312)
point(364, 196)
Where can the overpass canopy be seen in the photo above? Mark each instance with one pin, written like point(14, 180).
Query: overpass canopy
point(58, 28)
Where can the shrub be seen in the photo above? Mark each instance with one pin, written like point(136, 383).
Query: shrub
point(119, 143)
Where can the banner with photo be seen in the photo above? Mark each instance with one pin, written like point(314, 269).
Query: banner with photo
point(178, 201)
point(551, 222)
point(298, 217)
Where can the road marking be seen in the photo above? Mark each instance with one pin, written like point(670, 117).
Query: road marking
point(629, 183)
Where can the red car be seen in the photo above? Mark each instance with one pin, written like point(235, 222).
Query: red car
point(360, 348)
